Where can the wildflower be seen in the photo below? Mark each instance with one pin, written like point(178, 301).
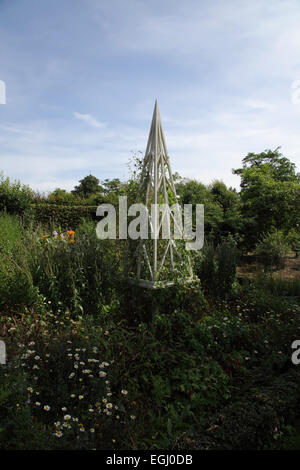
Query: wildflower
point(67, 417)
point(106, 333)
point(80, 397)
point(72, 395)
point(132, 417)
point(47, 408)
point(102, 374)
point(58, 434)
point(92, 430)
point(37, 358)
point(71, 234)
point(124, 392)
point(37, 403)
point(29, 389)
point(64, 408)
point(109, 406)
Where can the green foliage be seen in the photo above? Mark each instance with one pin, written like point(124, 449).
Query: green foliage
point(293, 239)
point(15, 198)
point(16, 286)
point(270, 194)
point(58, 394)
point(87, 186)
point(78, 276)
point(193, 192)
point(272, 250)
point(216, 267)
point(67, 217)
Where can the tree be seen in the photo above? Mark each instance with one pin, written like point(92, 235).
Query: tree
point(270, 194)
point(230, 202)
point(15, 198)
point(193, 192)
point(281, 168)
point(88, 186)
point(61, 196)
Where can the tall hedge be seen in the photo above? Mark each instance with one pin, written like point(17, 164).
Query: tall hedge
point(67, 217)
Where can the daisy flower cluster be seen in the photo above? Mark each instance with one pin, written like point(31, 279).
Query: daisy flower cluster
point(81, 400)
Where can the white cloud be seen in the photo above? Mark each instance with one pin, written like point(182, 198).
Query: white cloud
point(89, 119)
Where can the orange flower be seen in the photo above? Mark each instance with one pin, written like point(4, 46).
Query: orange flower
point(71, 233)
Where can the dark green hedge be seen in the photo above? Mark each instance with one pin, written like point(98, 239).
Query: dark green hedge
point(67, 217)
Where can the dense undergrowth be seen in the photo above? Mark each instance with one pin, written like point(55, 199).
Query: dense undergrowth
point(94, 363)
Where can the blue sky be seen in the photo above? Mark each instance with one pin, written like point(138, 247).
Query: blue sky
point(82, 77)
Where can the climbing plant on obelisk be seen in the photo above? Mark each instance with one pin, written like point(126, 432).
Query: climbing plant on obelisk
point(156, 259)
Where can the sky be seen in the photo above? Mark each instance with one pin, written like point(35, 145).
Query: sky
point(82, 77)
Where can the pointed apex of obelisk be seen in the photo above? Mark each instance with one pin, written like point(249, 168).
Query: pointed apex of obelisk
point(156, 111)
point(155, 131)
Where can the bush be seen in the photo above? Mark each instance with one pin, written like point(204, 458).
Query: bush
point(14, 197)
point(272, 250)
point(216, 267)
point(294, 241)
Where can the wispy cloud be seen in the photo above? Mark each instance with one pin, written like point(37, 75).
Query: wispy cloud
point(89, 119)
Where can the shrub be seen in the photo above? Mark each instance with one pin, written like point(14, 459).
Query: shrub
point(294, 241)
point(272, 250)
point(226, 262)
point(216, 267)
point(15, 198)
